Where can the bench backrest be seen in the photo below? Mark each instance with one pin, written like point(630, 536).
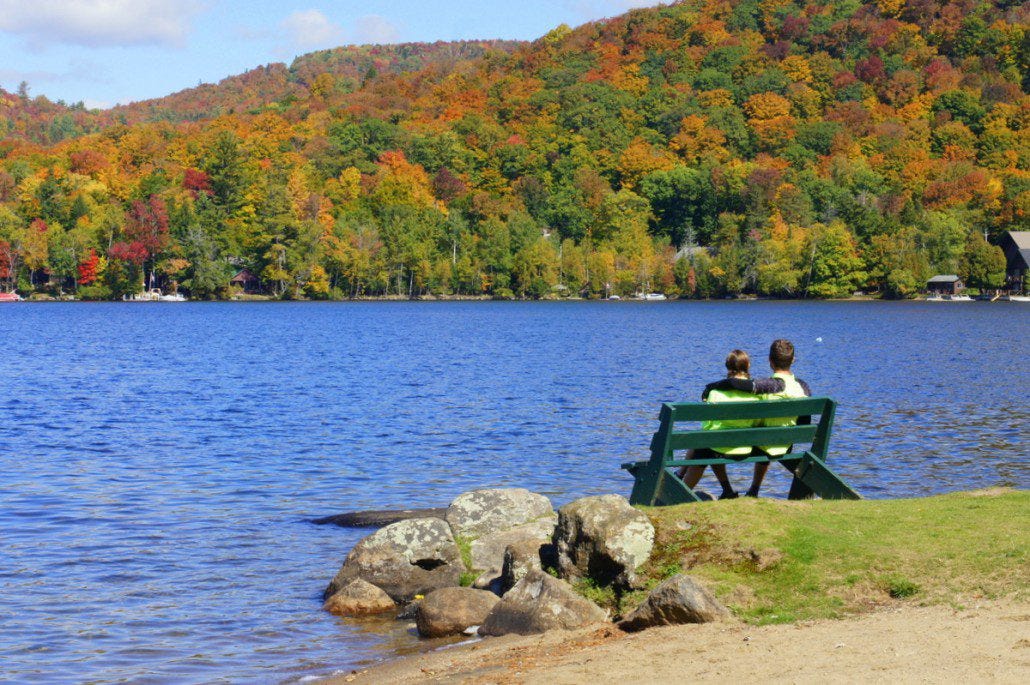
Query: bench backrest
point(672, 436)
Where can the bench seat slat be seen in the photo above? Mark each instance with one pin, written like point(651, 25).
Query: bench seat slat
point(676, 463)
point(768, 409)
point(735, 437)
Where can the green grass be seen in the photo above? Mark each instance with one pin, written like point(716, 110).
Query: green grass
point(773, 561)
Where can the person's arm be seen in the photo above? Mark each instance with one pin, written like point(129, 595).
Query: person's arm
point(754, 386)
point(745, 384)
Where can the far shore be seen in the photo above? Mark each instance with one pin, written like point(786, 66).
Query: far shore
point(36, 298)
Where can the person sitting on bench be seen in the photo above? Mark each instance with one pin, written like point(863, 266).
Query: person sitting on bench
point(738, 365)
point(781, 385)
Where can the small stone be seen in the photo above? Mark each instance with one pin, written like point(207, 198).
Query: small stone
point(359, 598)
point(451, 610)
point(679, 599)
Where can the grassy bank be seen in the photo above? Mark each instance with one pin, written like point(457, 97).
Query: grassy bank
point(775, 562)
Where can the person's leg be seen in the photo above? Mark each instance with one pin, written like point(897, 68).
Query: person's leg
point(724, 480)
point(756, 479)
point(681, 472)
point(761, 468)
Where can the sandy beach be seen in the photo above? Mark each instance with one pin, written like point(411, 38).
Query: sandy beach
point(981, 642)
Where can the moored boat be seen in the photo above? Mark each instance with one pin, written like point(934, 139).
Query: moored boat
point(10, 297)
point(154, 295)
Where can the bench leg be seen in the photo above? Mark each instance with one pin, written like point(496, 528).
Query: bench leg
point(671, 490)
point(655, 486)
point(798, 490)
point(812, 475)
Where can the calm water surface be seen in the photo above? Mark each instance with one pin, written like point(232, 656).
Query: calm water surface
point(161, 462)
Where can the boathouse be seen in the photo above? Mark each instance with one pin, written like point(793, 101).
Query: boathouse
point(246, 280)
point(1016, 246)
point(945, 284)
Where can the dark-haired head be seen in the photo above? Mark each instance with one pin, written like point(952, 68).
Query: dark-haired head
point(738, 363)
point(781, 354)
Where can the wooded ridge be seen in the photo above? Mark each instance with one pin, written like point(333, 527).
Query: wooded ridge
point(698, 149)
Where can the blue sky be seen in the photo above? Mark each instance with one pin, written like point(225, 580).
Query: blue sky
point(105, 52)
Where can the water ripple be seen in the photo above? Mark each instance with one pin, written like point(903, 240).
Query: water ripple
point(160, 463)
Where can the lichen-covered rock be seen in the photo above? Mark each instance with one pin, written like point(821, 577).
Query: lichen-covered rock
point(602, 538)
point(481, 512)
point(359, 598)
point(406, 558)
point(450, 610)
point(488, 551)
point(539, 603)
point(679, 599)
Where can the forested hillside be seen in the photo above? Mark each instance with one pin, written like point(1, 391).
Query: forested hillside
point(699, 149)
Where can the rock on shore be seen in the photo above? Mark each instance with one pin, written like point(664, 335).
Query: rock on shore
point(405, 559)
point(602, 538)
point(512, 542)
point(679, 599)
point(539, 603)
point(450, 610)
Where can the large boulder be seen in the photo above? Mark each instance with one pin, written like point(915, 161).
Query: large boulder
point(539, 603)
point(602, 538)
point(480, 512)
point(405, 559)
point(359, 598)
point(450, 610)
point(679, 599)
point(488, 551)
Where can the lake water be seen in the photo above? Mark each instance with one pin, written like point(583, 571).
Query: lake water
point(161, 463)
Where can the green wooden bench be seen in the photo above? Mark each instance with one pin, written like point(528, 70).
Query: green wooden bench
point(657, 485)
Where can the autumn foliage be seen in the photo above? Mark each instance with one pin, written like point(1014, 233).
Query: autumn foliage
point(704, 148)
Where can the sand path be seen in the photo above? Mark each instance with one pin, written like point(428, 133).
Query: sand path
point(988, 642)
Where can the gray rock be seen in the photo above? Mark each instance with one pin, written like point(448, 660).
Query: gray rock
point(377, 518)
point(406, 558)
point(359, 598)
point(679, 599)
point(520, 558)
point(488, 551)
point(602, 538)
point(449, 611)
point(539, 603)
point(480, 512)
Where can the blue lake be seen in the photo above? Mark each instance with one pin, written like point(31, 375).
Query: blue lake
point(161, 463)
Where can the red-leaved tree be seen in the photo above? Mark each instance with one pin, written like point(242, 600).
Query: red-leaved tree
point(88, 268)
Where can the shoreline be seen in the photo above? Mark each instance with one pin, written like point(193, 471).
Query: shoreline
point(982, 641)
point(484, 298)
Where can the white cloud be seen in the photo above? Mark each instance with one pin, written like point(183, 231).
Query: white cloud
point(373, 28)
point(311, 29)
point(99, 23)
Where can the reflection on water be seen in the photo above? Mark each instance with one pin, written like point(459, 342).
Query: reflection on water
point(161, 462)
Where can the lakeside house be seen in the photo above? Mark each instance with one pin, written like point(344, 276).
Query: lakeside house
point(1016, 246)
point(945, 284)
point(246, 280)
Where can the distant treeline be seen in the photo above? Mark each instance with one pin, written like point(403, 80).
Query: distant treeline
point(702, 149)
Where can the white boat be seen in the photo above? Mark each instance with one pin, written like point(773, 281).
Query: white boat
point(154, 295)
point(650, 297)
point(958, 298)
point(934, 298)
point(1018, 298)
